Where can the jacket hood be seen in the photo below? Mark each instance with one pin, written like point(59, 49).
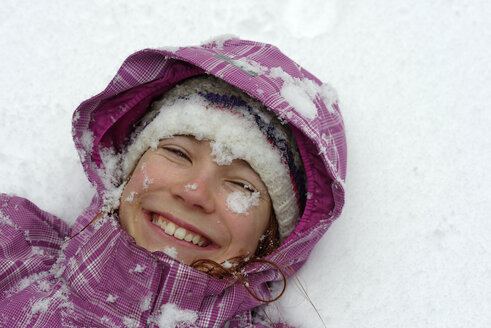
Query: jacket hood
point(102, 123)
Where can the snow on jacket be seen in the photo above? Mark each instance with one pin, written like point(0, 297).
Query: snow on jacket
point(101, 278)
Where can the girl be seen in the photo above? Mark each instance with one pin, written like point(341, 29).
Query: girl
point(217, 170)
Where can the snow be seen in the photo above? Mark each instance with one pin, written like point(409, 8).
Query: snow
point(37, 250)
point(112, 197)
point(248, 64)
point(239, 201)
point(87, 140)
point(172, 316)
point(108, 322)
point(24, 283)
point(171, 251)
point(412, 246)
point(130, 322)
point(146, 303)
point(221, 152)
point(111, 298)
point(298, 92)
point(4, 219)
point(189, 187)
point(44, 286)
point(41, 305)
point(146, 180)
point(220, 39)
point(60, 296)
point(227, 265)
point(130, 197)
point(226, 130)
point(245, 64)
point(138, 269)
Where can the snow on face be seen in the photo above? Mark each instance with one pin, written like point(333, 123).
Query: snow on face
point(146, 181)
point(224, 131)
point(129, 199)
point(189, 187)
point(239, 202)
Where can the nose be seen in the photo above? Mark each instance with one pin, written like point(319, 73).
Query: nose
point(196, 191)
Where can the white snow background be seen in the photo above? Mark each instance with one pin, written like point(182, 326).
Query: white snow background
point(413, 246)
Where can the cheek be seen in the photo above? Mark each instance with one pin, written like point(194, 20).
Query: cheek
point(247, 229)
point(263, 221)
point(134, 185)
point(141, 179)
point(130, 196)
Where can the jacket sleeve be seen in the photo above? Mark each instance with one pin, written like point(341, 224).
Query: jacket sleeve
point(30, 241)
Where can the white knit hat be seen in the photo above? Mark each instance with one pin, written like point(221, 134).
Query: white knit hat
point(237, 126)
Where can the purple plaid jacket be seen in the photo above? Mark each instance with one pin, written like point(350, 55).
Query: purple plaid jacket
point(101, 278)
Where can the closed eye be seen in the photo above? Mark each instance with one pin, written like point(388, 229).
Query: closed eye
point(244, 185)
point(177, 152)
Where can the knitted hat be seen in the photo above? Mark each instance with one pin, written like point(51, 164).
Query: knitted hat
point(238, 127)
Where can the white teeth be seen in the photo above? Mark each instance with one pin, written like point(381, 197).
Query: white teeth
point(170, 228)
point(180, 233)
point(196, 240)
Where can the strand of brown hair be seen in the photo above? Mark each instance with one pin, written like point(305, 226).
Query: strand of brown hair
point(217, 270)
point(86, 226)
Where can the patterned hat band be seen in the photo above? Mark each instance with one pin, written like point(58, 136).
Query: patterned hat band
point(239, 127)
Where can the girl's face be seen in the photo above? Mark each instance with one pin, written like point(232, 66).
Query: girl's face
point(179, 201)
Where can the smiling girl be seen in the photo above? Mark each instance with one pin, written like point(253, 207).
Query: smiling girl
point(185, 205)
point(217, 170)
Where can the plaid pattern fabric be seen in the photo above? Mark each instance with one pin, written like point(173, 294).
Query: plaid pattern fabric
point(101, 278)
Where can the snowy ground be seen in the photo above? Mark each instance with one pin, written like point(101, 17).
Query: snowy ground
point(413, 247)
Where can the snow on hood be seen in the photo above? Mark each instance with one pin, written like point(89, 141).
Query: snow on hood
point(101, 123)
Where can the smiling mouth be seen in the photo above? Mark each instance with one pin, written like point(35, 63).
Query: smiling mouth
point(178, 232)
